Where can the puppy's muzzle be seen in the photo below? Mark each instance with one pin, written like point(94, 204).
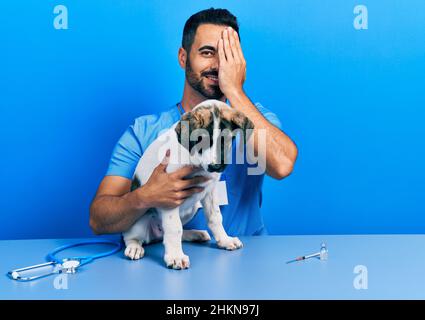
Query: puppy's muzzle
point(216, 167)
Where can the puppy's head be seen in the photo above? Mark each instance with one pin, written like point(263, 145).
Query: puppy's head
point(208, 131)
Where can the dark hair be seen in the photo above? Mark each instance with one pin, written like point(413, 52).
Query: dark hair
point(220, 17)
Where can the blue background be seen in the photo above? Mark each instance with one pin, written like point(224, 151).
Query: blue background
point(352, 100)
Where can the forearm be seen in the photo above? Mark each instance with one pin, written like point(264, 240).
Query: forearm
point(281, 151)
point(116, 214)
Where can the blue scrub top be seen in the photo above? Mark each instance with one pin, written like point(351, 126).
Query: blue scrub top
point(242, 216)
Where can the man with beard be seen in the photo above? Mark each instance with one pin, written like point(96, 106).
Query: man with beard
point(215, 68)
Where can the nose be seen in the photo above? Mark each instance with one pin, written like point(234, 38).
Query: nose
point(215, 63)
point(215, 168)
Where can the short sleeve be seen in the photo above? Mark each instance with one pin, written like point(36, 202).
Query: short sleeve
point(270, 116)
point(126, 154)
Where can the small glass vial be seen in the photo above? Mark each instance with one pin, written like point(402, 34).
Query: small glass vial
point(323, 252)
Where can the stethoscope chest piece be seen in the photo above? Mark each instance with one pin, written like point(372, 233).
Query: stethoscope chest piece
point(65, 266)
point(69, 265)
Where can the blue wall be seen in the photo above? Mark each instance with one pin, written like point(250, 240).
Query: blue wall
point(352, 100)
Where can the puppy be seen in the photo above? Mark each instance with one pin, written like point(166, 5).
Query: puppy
point(201, 138)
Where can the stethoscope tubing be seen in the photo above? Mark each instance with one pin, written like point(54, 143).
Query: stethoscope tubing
point(84, 259)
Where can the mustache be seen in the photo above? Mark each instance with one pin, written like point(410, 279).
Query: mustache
point(210, 73)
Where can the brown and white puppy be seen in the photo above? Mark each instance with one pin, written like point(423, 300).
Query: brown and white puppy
point(202, 137)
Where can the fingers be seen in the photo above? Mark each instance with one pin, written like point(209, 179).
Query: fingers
point(184, 171)
point(163, 165)
point(182, 195)
point(227, 47)
point(195, 181)
point(221, 54)
point(238, 46)
point(232, 42)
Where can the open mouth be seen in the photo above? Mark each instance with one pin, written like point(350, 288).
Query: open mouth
point(213, 78)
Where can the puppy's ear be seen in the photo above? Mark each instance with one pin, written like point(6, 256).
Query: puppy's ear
point(189, 121)
point(183, 127)
point(241, 121)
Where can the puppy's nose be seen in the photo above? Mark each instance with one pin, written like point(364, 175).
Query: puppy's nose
point(215, 168)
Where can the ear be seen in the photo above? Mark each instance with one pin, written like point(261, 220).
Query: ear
point(182, 58)
point(241, 121)
point(182, 128)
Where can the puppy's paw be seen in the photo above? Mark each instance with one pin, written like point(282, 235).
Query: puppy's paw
point(196, 235)
point(230, 243)
point(177, 261)
point(134, 251)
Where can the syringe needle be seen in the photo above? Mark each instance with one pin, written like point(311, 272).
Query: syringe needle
point(296, 259)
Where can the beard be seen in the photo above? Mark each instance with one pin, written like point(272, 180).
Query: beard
point(197, 83)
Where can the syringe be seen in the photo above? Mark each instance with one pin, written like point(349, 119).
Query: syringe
point(322, 254)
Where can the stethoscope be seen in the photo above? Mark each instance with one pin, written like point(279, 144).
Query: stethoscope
point(67, 265)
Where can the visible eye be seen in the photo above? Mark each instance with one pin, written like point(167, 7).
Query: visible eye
point(207, 53)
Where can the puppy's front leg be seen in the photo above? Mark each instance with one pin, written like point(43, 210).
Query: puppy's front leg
point(173, 230)
point(215, 223)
